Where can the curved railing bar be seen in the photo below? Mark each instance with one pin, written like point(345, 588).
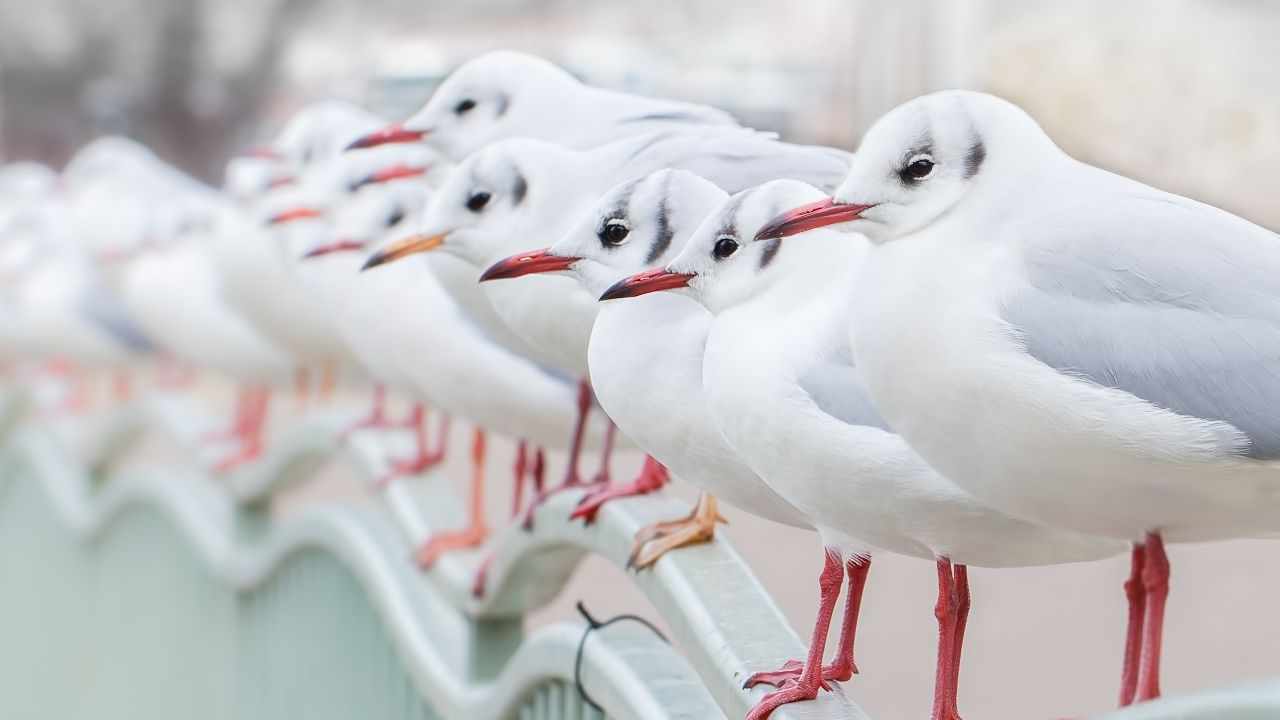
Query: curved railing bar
point(611, 672)
point(722, 617)
point(1257, 700)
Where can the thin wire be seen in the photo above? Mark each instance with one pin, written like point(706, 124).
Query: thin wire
point(592, 626)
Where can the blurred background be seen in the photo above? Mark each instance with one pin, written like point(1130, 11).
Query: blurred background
point(1182, 94)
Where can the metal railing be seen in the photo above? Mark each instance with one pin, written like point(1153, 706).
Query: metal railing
point(133, 590)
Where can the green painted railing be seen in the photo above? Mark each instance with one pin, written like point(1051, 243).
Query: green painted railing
point(134, 591)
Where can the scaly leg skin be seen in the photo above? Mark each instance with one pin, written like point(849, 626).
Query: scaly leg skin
point(652, 478)
point(377, 417)
point(961, 574)
point(698, 527)
point(1155, 578)
point(476, 530)
point(1136, 594)
point(843, 667)
point(947, 610)
point(425, 458)
point(806, 686)
point(256, 400)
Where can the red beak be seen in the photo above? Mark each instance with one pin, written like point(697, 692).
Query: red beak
point(387, 174)
point(386, 136)
point(647, 282)
point(281, 181)
point(534, 261)
point(264, 152)
point(335, 247)
point(808, 217)
point(298, 213)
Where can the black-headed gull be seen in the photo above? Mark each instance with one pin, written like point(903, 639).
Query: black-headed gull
point(645, 356)
point(1065, 343)
point(785, 392)
point(504, 94)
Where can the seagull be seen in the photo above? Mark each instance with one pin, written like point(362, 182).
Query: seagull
point(645, 356)
point(787, 396)
point(1071, 346)
point(505, 94)
point(514, 193)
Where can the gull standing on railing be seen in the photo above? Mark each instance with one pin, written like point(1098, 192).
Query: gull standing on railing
point(1065, 343)
point(787, 397)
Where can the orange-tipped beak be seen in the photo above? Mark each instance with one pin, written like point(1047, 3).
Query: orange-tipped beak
point(646, 282)
point(387, 136)
point(334, 247)
point(292, 214)
point(809, 217)
point(403, 248)
point(529, 263)
point(387, 174)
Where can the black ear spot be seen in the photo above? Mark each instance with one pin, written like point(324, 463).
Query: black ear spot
point(770, 251)
point(519, 189)
point(973, 159)
point(502, 103)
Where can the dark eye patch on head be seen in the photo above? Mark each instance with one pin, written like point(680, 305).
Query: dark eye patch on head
point(519, 189)
point(504, 100)
point(974, 157)
point(665, 232)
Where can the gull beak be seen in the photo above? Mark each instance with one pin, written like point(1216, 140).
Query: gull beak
point(386, 136)
point(809, 217)
point(279, 182)
point(264, 152)
point(403, 248)
point(529, 263)
point(334, 247)
point(297, 213)
point(387, 174)
point(646, 282)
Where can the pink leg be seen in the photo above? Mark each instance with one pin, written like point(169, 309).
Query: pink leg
point(521, 470)
point(476, 530)
point(1155, 578)
point(377, 417)
point(425, 458)
point(256, 404)
point(1136, 595)
point(964, 601)
point(481, 579)
point(843, 667)
point(606, 454)
point(572, 477)
point(652, 477)
point(239, 425)
point(947, 612)
point(806, 686)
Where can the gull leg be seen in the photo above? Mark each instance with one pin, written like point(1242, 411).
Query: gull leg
point(424, 458)
point(377, 417)
point(476, 530)
point(122, 387)
point(521, 470)
point(698, 527)
point(810, 681)
point(328, 380)
point(239, 424)
point(947, 611)
point(256, 404)
point(653, 476)
point(964, 601)
point(301, 386)
point(842, 667)
point(606, 454)
point(1136, 594)
point(1155, 578)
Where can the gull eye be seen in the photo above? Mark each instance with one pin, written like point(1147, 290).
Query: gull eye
point(614, 233)
point(464, 106)
point(477, 201)
point(725, 247)
point(395, 217)
point(918, 167)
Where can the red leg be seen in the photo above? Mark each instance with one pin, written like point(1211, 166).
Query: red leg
point(652, 477)
point(806, 687)
point(539, 469)
point(255, 416)
point(946, 610)
point(481, 579)
point(377, 417)
point(572, 478)
point(424, 458)
point(1136, 595)
point(1155, 578)
point(521, 470)
point(476, 530)
point(843, 666)
point(240, 423)
point(606, 453)
point(964, 601)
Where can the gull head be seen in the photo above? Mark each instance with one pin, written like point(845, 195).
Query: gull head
point(719, 265)
point(498, 95)
point(918, 163)
point(635, 225)
point(379, 211)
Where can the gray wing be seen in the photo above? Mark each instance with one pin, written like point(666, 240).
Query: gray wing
point(838, 391)
point(101, 307)
point(739, 158)
point(1174, 302)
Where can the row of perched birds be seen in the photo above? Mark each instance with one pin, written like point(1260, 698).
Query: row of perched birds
point(960, 345)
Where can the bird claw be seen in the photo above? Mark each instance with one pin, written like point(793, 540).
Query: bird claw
point(445, 542)
point(791, 671)
point(791, 691)
point(406, 468)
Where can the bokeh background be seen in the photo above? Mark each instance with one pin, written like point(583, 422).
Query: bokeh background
point(1182, 94)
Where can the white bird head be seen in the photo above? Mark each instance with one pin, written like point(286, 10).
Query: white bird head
point(380, 210)
point(498, 95)
point(634, 226)
point(502, 195)
point(918, 162)
point(720, 265)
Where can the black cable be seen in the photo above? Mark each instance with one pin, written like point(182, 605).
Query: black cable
point(592, 626)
